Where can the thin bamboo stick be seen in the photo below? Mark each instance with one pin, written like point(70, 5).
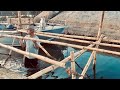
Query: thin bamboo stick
point(101, 24)
point(64, 44)
point(46, 52)
point(53, 67)
point(34, 55)
point(9, 53)
point(86, 66)
point(76, 40)
point(73, 64)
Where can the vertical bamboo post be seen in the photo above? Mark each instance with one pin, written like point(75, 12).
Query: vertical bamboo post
point(94, 58)
point(72, 64)
point(19, 19)
point(101, 24)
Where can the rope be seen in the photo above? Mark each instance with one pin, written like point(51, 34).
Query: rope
point(81, 69)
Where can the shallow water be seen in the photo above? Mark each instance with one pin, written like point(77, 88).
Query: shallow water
point(107, 66)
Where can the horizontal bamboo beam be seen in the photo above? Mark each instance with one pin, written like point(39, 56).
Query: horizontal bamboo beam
point(34, 55)
point(53, 67)
point(76, 36)
point(64, 44)
point(76, 40)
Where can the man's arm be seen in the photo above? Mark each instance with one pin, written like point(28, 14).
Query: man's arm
point(36, 45)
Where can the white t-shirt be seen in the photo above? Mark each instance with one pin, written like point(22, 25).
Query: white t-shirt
point(30, 46)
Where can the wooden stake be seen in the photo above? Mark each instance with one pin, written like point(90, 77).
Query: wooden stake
point(73, 64)
point(34, 55)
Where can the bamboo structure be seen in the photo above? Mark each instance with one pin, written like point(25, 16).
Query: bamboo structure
point(34, 55)
point(73, 64)
point(64, 44)
point(53, 67)
point(76, 40)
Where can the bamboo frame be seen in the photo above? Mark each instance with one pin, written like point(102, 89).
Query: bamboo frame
point(76, 40)
point(53, 67)
point(73, 64)
point(64, 44)
point(34, 55)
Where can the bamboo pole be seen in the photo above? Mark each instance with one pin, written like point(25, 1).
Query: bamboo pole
point(94, 58)
point(46, 52)
point(73, 64)
point(79, 37)
point(76, 40)
point(34, 55)
point(101, 24)
point(86, 66)
point(64, 44)
point(53, 67)
point(19, 19)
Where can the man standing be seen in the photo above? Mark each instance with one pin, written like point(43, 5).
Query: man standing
point(32, 47)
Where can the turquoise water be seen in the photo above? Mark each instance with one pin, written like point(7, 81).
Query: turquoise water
point(107, 66)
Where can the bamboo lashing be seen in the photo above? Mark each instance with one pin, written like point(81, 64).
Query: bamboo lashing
point(73, 64)
point(76, 40)
point(53, 67)
point(64, 44)
point(34, 55)
point(101, 24)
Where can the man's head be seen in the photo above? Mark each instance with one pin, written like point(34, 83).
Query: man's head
point(31, 30)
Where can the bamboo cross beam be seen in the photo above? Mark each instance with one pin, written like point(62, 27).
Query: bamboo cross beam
point(53, 67)
point(34, 55)
point(86, 66)
point(64, 44)
point(76, 40)
point(101, 24)
point(75, 36)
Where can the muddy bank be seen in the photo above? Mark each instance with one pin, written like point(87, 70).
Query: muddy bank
point(87, 23)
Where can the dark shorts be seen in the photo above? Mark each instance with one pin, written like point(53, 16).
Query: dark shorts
point(31, 63)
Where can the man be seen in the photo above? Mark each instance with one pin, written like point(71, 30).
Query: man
point(32, 47)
